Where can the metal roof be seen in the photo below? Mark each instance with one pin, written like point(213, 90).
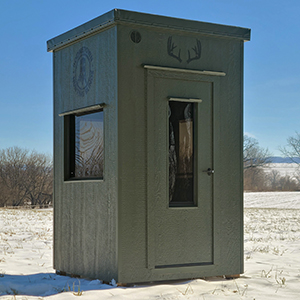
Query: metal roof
point(119, 16)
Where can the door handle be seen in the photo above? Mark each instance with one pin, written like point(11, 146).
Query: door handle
point(209, 171)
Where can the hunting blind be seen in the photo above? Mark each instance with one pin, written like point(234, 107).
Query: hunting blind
point(148, 143)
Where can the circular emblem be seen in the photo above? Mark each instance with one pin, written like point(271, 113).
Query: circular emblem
point(135, 36)
point(83, 72)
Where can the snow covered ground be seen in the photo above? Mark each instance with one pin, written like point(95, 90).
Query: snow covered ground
point(281, 200)
point(272, 259)
point(290, 169)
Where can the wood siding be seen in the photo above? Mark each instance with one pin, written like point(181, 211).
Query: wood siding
point(85, 212)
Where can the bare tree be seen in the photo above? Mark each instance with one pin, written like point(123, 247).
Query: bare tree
point(12, 162)
point(286, 183)
point(25, 177)
point(292, 150)
point(273, 179)
point(254, 155)
point(5, 195)
point(39, 179)
point(254, 179)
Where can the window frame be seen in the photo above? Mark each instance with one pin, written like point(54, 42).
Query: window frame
point(70, 140)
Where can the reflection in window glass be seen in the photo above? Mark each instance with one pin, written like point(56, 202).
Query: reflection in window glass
point(181, 153)
point(89, 145)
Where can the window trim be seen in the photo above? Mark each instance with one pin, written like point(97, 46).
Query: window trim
point(69, 141)
point(87, 109)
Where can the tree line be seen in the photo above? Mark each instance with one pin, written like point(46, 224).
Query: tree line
point(26, 178)
point(257, 177)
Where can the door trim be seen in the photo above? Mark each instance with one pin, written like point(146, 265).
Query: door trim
point(200, 72)
point(151, 74)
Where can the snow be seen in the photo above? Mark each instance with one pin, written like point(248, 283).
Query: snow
point(280, 200)
point(290, 169)
point(272, 260)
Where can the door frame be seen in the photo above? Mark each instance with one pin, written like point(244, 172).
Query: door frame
point(152, 73)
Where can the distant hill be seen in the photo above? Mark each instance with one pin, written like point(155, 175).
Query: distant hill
point(283, 160)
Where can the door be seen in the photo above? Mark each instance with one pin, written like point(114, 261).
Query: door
point(180, 170)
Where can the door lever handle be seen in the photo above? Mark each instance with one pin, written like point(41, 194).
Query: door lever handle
point(209, 171)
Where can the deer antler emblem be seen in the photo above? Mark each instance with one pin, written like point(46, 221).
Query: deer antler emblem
point(197, 51)
point(171, 47)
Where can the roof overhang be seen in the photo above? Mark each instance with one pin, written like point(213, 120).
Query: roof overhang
point(118, 16)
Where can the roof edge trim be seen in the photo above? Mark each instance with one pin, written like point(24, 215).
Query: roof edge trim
point(118, 16)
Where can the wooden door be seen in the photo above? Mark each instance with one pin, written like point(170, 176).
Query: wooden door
point(180, 170)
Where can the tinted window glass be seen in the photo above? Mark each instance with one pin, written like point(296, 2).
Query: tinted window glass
point(89, 146)
point(181, 153)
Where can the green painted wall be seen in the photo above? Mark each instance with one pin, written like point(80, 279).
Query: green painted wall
point(85, 212)
point(136, 213)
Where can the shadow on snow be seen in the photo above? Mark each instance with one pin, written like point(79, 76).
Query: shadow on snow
point(46, 284)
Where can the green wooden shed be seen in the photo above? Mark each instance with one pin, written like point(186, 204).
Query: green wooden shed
point(148, 142)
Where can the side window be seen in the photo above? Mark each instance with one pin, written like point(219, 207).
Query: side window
point(84, 145)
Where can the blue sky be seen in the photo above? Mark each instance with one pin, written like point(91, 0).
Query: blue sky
point(272, 61)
